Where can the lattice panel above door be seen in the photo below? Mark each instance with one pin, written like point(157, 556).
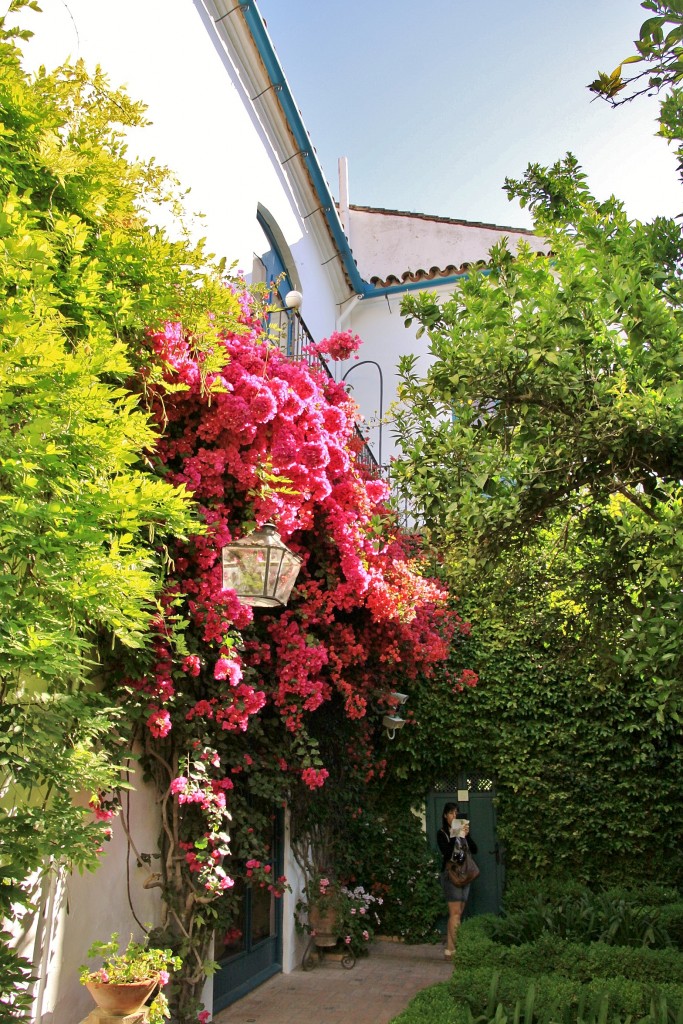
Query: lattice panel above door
point(479, 784)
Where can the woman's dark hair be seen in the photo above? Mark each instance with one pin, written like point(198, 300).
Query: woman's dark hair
point(447, 807)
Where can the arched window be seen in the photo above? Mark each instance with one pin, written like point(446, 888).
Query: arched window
point(274, 263)
point(275, 267)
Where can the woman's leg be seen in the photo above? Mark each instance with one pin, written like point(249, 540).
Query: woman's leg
point(455, 909)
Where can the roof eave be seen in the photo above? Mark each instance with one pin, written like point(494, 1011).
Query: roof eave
point(243, 32)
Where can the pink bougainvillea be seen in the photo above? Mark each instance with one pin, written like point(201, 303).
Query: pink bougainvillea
point(340, 345)
point(255, 437)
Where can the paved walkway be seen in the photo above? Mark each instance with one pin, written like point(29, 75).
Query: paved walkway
point(373, 992)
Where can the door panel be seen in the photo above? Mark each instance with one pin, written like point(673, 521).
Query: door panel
point(479, 807)
point(487, 891)
point(250, 951)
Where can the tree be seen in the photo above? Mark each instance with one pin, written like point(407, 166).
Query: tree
point(83, 523)
point(555, 389)
point(658, 66)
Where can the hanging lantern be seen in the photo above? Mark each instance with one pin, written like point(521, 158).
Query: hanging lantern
point(260, 568)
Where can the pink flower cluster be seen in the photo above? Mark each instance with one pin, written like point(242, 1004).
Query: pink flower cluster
point(340, 345)
point(314, 777)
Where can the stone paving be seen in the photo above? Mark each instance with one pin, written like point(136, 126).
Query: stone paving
point(373, 992)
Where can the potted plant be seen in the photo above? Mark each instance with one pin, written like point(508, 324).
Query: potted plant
point(332, 913)
point(127, 979)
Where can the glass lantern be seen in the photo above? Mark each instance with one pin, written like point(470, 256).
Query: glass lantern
point(260, 568)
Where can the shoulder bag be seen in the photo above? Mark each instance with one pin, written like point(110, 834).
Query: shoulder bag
point(462, 868)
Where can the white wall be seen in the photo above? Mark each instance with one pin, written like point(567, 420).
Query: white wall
point(294, 945)
point(78, 909)
point(390, 245)
point(168, 55)
point(379, 323)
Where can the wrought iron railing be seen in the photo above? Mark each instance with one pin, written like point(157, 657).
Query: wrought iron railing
point(289, 331)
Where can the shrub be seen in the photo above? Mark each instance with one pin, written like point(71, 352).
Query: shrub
point(672, 919)
point(433, 1005)
point(592, 1007)
point(554, 995)
point(567, 956)
point(390, 855)
point(578, 961)
point(585, 918)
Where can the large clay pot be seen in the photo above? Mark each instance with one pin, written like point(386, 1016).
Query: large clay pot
point(323, 921)
point(120, 998)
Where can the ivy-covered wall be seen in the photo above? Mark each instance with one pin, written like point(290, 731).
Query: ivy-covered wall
point(587, 769)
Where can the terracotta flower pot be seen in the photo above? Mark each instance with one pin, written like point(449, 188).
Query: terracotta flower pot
point(120, 998)
point(323, 921)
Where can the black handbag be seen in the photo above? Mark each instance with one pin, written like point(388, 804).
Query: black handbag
point(462, 868)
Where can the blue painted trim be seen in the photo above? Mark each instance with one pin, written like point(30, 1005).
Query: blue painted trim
point(421, 286)
point(302, 139)
point(277, 79)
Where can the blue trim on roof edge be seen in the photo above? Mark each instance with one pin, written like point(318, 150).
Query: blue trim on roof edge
point(277, 78)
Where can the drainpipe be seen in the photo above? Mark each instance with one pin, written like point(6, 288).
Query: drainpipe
point(346, 312)
point(344, 212)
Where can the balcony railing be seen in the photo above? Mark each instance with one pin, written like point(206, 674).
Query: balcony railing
point(294, 339)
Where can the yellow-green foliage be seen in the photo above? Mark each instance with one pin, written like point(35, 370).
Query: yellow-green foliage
point(82, 519)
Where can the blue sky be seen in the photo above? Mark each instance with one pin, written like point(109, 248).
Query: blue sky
point(434, 103)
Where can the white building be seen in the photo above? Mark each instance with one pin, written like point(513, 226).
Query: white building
point(224, 119)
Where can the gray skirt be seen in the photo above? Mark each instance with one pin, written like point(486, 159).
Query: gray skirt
point(452, 892)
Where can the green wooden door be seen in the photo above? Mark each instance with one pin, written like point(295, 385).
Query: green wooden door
point(250, 951)
point(475, 796)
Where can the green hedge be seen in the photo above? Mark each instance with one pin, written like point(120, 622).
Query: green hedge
point(672, 919)
point(554, 992)
point(587, 917)
point(519, 895)
point(555, 978)
point(572, 960)
point(434, 1005)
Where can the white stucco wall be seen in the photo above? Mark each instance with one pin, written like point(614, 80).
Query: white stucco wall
point(293, 948)
point(203, 128)
point(379, 323)
point(76, 910)
point(388, 243)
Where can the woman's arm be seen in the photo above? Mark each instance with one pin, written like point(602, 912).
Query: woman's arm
point(445, 844)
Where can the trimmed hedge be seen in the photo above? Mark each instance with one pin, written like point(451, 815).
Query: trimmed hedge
point(588, 917)
point(573, 960)
point(434, 1005)
point(671, 918)
point(554, 993)
point(559, 975)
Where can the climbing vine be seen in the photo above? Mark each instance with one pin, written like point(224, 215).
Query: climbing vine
point(226, 707)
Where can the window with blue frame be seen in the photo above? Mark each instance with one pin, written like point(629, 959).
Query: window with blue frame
point(271, 268)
